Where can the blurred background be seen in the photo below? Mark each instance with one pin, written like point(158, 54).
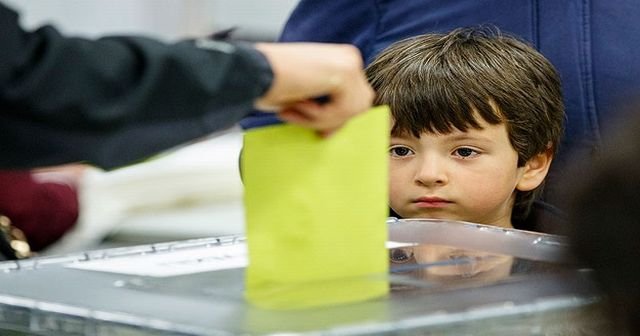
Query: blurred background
point(190, 192)
point(167, 19)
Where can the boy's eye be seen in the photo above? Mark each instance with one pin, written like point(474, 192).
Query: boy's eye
point(400, 255)
point(400, 151)
point(465, 152)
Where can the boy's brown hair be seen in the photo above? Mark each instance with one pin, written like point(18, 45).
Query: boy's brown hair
point(435, 83)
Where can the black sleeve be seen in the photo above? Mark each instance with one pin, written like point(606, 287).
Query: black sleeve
point(116, 99)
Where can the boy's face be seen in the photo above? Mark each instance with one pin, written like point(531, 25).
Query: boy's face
point(470, 176)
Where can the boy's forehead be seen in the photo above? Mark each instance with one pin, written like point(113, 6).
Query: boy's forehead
point(486, 134)
point(441, 121)
point(453, 132)
point(429, 130)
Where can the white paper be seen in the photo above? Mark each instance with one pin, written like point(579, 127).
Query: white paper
point(172, 263)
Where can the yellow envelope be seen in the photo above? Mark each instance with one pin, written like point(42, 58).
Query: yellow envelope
point(315, 212)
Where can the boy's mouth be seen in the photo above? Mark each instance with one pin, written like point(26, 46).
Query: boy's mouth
point(431, 202)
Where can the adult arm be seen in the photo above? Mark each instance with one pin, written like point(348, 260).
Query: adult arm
point(119, 99)
point(116, 99)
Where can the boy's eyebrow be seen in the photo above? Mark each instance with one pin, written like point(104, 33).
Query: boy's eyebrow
point(451, 137)
point(402, 137)
point(467, 136)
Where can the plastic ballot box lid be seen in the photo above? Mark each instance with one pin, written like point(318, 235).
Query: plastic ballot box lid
point(445, 278)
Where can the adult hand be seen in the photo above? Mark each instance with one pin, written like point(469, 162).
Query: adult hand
point(305, 71)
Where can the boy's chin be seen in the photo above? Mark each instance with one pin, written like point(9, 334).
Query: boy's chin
point(431, 216)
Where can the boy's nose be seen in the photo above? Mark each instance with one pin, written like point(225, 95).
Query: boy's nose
point(431, 172)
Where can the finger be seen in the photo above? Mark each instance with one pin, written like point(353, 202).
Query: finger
point(326, 134)
point(294, 116)
point(310, 108)
point(323, 116)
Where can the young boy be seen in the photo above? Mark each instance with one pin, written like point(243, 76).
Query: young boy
point(477, 120)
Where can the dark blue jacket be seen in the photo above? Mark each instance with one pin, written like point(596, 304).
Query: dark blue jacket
point(594, 44)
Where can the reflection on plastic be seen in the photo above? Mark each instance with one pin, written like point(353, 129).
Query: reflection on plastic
point(449, 264)
point(316, 211)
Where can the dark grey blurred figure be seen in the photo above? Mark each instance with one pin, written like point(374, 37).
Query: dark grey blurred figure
point(604, 197)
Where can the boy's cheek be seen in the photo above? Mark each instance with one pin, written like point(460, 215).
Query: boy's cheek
point(395, 198)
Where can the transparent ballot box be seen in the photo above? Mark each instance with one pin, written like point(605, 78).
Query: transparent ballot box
point(445, 278)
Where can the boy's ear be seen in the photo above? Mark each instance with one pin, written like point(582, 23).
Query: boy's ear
point(535, 170)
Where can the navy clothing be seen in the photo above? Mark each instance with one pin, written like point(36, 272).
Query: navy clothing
point(116, 99)
point(592, 43)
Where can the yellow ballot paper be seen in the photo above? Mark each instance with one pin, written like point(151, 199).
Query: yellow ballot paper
point(316, 213)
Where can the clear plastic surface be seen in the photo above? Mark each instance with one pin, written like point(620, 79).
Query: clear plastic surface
point(446, 278)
